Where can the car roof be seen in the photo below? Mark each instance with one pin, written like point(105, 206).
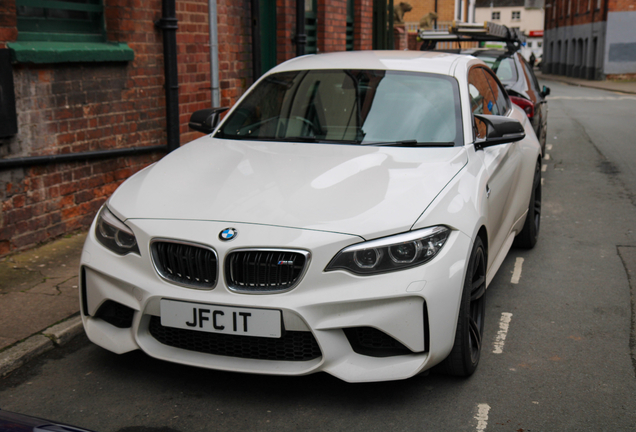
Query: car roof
point(489, 52)
point(416, 61)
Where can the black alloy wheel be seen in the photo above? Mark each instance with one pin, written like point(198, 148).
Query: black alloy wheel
point(529, 234)
point(464, 357)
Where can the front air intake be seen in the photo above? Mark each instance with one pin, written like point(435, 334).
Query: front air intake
point(186, 264)
point(265, 270)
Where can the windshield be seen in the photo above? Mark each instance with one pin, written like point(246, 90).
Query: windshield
point(503, 67)
point(350, 107)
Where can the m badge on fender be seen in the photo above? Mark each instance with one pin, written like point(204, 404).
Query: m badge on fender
point(228, 234)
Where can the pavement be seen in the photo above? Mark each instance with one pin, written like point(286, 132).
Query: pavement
point(39, 302)
point(39, 306)
point(628, 86)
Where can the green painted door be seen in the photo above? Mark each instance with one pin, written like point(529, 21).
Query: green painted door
point(349, 25)
point(311, 26)
point(267, 16)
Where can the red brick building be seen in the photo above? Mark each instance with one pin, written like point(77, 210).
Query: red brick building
point(592, 39)
point(83, 100)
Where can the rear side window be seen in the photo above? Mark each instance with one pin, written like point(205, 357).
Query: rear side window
point(501, 101)
point(482, 98)
point(503, 67)
point(532, 81)
point(486, 96)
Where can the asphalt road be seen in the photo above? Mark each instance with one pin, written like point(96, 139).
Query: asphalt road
point(557, 355)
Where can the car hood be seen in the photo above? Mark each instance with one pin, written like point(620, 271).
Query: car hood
point(362, 190)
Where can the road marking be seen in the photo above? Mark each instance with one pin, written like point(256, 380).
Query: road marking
point(544, 167)
point(546, 157)
point(542, 181)
point(482, 417)
point(504, 323)
point(548, 147)
point(592, 98)
point(516, 274)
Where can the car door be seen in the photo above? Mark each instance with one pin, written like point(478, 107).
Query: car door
point(502, 162)
point(539, 122)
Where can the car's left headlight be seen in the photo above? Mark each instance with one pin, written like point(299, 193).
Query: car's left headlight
point(391, 253)
point(114, 234)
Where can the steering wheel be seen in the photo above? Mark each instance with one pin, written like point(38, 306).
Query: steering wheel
point(313, 128)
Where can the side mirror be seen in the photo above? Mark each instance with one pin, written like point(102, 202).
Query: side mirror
point(205, 120)
point(499, 130)
point(545, 92)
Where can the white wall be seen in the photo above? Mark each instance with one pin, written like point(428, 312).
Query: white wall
point(531, 19)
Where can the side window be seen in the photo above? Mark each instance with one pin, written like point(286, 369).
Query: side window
point(531, 78)
point(501, 101)
point(482, 100)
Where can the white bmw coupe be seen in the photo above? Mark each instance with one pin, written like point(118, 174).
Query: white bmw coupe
point(346, 216)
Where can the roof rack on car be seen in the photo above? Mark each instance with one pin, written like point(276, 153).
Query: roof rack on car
point(473, 32)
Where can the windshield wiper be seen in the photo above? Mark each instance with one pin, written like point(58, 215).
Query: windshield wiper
point(410, 143)
point(315, 140)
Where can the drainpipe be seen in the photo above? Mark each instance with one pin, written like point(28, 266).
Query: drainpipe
point(435, 20)
point(214, 53)
point(168, 24)
point(256, 41)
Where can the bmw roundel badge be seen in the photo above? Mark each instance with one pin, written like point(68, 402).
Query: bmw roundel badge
point(228, 234)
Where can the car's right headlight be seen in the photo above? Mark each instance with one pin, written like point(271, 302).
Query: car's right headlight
point(114, 234)
point(392, 253)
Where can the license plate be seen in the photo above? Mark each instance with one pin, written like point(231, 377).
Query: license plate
point(221, 319)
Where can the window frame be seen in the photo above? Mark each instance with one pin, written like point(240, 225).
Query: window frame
point(488, 72)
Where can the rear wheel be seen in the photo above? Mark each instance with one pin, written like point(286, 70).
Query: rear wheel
point(464, 357)
point(529, 235)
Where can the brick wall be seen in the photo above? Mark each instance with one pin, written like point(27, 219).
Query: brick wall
point(235, 48)
point(332, 25)
point(8, 30)
point(445, 9)
point(285, 29)
point(621, 6)
point(575, 13)
point(78, 107)
point(363, 25)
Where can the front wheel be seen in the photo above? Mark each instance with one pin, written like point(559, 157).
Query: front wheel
point(464, 357)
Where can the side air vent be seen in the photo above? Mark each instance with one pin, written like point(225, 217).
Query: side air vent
point(116, 314)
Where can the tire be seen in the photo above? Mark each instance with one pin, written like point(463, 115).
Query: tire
point(464, 357)
point(529, 234)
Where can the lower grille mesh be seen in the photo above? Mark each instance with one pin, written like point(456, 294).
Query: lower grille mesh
point(292, 346)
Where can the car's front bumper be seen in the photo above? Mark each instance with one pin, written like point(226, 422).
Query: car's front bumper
point(417, 307)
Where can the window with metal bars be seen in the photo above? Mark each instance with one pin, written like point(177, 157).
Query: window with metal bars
point(60, 21)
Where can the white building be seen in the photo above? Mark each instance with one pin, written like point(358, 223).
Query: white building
point(525, 15)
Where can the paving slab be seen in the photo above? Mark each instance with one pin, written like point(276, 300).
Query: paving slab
point(39, 288)
point(24, 314)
